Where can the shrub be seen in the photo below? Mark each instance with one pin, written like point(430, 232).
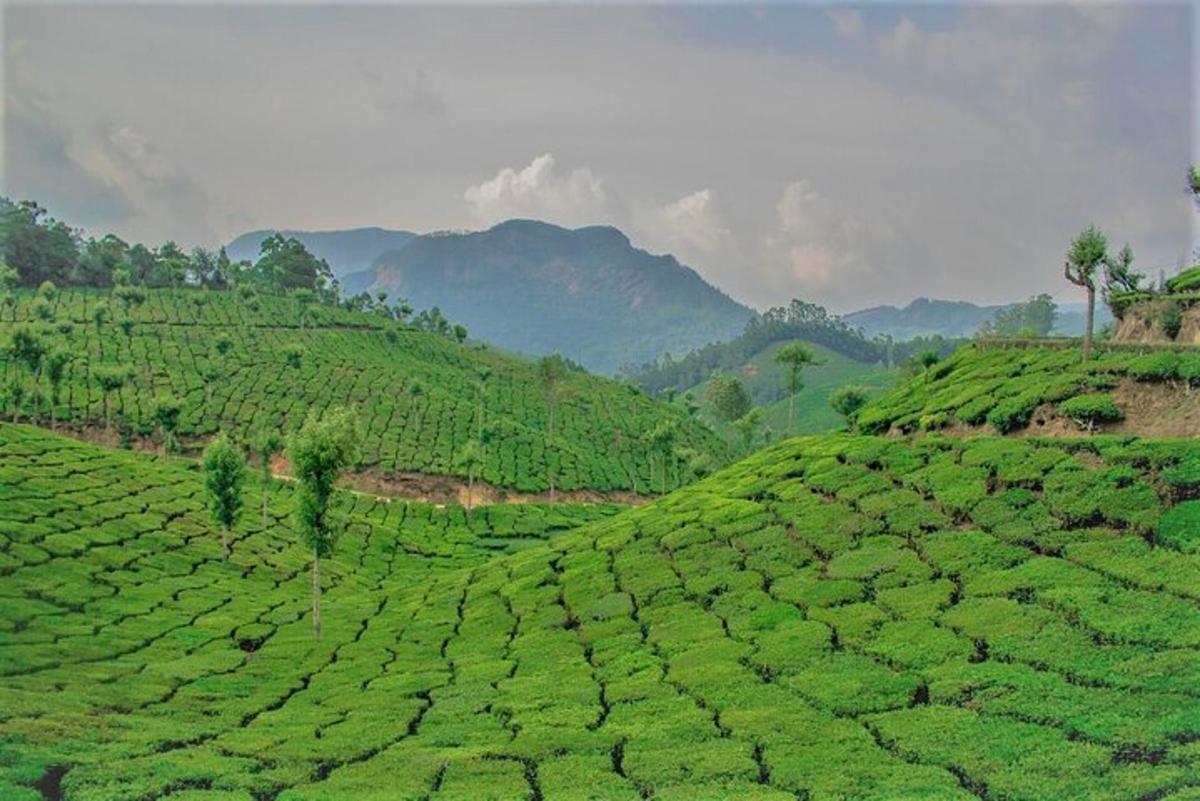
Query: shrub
point(1171, 320)
point(1090, 410)
point(1180, 527)
point(1012, 413)
point(932, 422)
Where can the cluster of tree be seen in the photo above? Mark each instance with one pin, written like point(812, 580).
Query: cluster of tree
point(1033, 318)
point(40, 248)
point(797, 321)
point(324, 447)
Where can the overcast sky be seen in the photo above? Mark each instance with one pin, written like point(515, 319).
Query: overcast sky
point(847, 155)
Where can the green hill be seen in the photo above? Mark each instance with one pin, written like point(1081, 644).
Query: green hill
point(420, 395)
point(1044, 386)
point(812, 414)
point(348, 252)
point(834, 618)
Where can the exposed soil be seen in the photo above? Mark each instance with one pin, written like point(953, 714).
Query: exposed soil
point(1143, 323)
point(386, 485)
point(1151, 410)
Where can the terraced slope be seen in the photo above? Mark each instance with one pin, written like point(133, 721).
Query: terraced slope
point(833, 618)
point(419, 394)
point(1143, 391)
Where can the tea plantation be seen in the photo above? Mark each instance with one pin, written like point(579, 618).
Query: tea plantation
point(833, 618)
point(1002, 386)
point(263, 363)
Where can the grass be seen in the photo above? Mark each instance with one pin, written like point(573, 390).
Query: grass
point(420, 395)
point(1002, 386)
point(836, 617)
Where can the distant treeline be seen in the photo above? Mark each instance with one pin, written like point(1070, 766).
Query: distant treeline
point(37, 250)
point(797, 320)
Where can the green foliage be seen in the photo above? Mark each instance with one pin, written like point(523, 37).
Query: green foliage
point(728, 397)
point(1088, 410)
point(1033, 318)
point(1186, 281)
point(224, 472)
point(324, 447)
point(846, 401)
point(1180, 527)
point(1012, 413)
point(785, 628)
point(1171, 319)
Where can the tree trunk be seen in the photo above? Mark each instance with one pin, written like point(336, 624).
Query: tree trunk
point(791, 408)
point(470, 488)
point(265, 489)
point(1089, 324)
point(316, 595)
point(225, 542)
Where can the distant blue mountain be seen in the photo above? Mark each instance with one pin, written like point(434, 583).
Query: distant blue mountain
point(346, 251)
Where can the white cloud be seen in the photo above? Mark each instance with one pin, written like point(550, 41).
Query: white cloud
point(847, 22)
point(693, 225)
point(541, 190)
point(814, 249)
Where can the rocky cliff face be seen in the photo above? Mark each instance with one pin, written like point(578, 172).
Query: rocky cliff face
point(1144, 323)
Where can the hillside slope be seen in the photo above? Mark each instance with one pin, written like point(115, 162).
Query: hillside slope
point(1043, 387)
point(833, 618)
point(421, 396)
point(537, 288)
point(348, 251)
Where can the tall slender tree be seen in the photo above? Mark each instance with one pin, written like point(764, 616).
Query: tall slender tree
point(224, 472)
point(266, 444)
point(794, 356)
point(324, 447)
point(552, 371)
point(56, 370)
point(1087, 253)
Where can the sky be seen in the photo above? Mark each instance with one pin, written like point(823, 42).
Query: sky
point(847, 155)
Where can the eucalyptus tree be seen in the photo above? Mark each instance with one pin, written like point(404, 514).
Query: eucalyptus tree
point(56, 370)
point(267, 443)
point(224, 472)
point(794, 356)
point(324, 447)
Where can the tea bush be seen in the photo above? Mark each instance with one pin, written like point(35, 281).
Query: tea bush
point(420, 396)
point(835, 617)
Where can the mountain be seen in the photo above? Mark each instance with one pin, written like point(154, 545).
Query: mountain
point(922, 317)
point(538, 288)
point(346, 251)
point(955, 318)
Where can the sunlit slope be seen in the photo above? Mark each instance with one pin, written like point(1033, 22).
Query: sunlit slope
point(1025, 388)
point(834, 617)
point(419, 395)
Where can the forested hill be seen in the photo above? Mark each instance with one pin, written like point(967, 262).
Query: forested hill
point(346, 251)
point(922, 317)
point(797, 320)
point(537, 288)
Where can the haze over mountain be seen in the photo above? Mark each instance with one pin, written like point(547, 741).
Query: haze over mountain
point(953, 318)
point(347, 251)
point(538, 288)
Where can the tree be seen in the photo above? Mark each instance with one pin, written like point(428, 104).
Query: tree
point(224, 472)
point(662, 444)
point(266, 445)
point(551, 371)
point(1033, 318)
point(56, 370)
point(728, 397)
point(324, 447)
point(286, 264)
point(1194, 183)
point(1119, 277)
point(1088, 251)
point(748, 426)
point(223, 344)
point(924, 360)
point(469, 458)
point(110, 378)
point(847, 401)
point(37, 246)
point(26, 346)
point(460, 333)
point(794, 356)
point(166, 411)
